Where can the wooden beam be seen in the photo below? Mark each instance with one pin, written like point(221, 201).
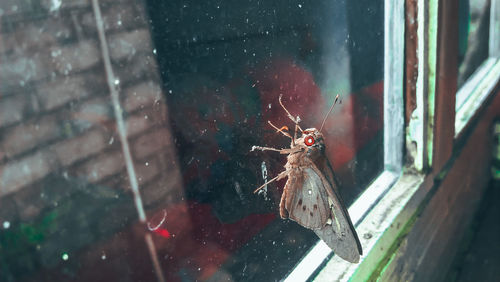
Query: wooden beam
point(446, 83)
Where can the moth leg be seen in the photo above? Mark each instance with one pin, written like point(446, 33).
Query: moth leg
point(265, 149)
point(281, 151)
point(281, 130)
point(283, 211)
point(277, 177)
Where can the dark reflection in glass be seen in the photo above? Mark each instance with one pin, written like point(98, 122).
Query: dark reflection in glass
point(473, 28)
point(224, 66)
point(198, 82)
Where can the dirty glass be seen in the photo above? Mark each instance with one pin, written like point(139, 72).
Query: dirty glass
point(473, 36)
point(126, 128)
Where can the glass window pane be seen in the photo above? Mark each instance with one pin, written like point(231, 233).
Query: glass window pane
point(197, 82)
point(473, 26)
point(224, 66)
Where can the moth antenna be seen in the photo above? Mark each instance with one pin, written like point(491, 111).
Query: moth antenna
point(296, 121)
point(298, 126)
point(329, 111)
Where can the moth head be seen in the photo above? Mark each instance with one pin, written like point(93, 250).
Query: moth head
point(312, 140)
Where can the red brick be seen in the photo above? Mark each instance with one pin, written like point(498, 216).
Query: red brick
point(127, 44)
point(72, 150)
point(20, 69)
point(76, 57)
point(12, 7)
point(166, 189)
point(30, 201)
point(138, 123)
point(141, 67)
point(17, 174)
point(141, 13)
point(118, 182)
point(146, 170)
point(104, 165)
point(35, 35)
point(143, 120)
point(160, 113)
point(57, 93)
point(14, 108)
point(115, 17)
point(142, 95)
point(9, 211)
point(151, 143)
point(106, 3)
point(75, 4)
point(95, 112)
point(96, 82)
point(30, 134)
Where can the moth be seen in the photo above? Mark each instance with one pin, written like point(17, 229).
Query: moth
point(310, 196)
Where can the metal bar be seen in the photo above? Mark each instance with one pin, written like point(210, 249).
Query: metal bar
point(122, 132)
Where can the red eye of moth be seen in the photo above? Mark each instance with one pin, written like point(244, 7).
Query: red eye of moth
point(309, 140)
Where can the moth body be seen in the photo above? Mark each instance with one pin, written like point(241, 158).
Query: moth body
point(310, 196)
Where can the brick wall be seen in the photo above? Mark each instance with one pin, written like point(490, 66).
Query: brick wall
point(57, 123)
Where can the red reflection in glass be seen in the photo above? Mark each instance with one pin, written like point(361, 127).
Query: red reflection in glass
point(162, 232)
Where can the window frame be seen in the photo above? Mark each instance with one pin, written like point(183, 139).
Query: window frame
point(436, 126)
point(477, 88)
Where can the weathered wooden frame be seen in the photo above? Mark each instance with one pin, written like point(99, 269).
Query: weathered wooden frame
point(477, 88)
point(431, 122)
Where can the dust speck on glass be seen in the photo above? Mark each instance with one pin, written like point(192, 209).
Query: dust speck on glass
point(126, 130)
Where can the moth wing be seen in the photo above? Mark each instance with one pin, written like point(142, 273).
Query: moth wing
point(339, 233)
point(307, 200)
